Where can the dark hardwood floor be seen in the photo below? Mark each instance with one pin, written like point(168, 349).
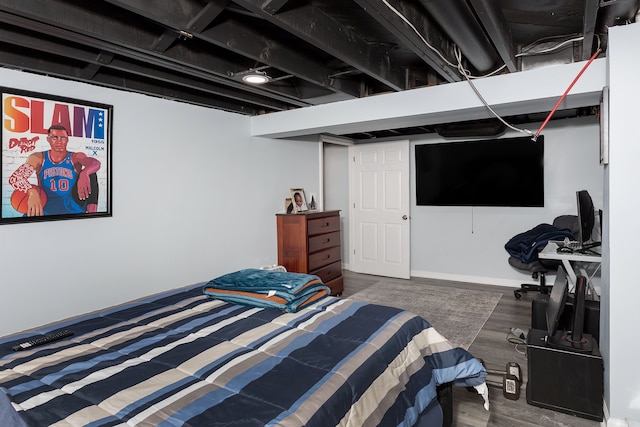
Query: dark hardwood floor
point(492, 345)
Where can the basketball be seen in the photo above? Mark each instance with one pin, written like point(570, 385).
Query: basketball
point(20, 199)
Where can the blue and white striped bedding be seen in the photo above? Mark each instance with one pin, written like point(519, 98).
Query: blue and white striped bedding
point(182, 359)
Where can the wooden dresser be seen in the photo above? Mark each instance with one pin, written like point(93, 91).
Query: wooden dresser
point(310, 243)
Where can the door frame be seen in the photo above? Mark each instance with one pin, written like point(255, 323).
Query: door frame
point(325, 140)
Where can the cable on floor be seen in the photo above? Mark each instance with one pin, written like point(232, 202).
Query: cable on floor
point(517, 342)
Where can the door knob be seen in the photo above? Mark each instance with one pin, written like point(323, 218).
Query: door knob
point(404, 217)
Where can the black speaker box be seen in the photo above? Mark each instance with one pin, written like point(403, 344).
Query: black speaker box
point(591, 315)
point(563, 380)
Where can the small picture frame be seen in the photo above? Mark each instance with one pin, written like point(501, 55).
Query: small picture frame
point(288, 205)
point(299, 201)
point(313, 202)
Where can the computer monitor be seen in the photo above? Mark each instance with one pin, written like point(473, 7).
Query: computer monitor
point(557, 301)
point(586, 216)
point(574, 340)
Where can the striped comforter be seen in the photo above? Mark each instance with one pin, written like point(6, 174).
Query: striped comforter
point(183, 359)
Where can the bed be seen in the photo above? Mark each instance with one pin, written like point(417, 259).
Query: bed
point(187, 358)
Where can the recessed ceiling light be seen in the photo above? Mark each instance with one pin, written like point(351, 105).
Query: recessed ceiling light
point(256, 77)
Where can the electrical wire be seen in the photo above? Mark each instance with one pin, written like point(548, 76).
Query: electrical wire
point(526, 52)
point(512, 339)
point(468, 77)
point(486, 104)
point(564, 95)
point(415, 30)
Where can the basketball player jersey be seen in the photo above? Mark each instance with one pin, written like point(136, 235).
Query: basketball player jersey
point(58, 181)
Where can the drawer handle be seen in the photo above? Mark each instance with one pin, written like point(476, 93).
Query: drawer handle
point(326, 224)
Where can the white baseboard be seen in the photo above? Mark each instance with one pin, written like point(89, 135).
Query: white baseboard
point(513, 283)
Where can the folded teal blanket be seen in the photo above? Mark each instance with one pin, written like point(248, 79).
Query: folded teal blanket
point(268, 289)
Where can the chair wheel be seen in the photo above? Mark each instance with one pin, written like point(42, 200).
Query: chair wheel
point(517, 294)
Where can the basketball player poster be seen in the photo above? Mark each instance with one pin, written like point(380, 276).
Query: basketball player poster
point(56, 155)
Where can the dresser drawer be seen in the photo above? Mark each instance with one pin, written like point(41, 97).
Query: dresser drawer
point(324, 241)
point(330, 272)
point(323, 225)
point(323, 258)
point(336, 286)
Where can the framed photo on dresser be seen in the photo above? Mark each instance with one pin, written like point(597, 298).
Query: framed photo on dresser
point(299, 200)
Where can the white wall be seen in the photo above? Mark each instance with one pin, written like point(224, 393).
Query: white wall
point(621, 290)
point(467, 243)
point(194, 196)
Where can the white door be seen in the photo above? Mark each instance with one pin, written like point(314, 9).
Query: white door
point(379, 203)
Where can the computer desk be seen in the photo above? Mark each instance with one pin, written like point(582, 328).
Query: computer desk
point(576, 263)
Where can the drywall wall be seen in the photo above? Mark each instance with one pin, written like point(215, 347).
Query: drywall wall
point(467, 243)
point(194, 196)
point(621, 292)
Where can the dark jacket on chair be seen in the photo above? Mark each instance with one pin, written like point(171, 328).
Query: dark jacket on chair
point(525, 246)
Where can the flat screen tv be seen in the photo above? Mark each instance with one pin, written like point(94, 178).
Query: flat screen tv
point(496, 172)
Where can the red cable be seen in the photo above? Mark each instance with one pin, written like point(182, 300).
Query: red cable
point(566, 92)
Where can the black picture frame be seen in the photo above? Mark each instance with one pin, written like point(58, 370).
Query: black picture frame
point(36, 157)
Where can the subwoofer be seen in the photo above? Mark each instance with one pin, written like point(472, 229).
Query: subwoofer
point(562, 380)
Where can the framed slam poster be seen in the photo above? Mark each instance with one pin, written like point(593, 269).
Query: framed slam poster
point(56, 158)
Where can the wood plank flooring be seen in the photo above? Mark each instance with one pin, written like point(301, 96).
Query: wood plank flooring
point(492, 346)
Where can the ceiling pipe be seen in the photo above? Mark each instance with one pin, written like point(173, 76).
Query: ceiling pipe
point(617, 12)
point(458, 20)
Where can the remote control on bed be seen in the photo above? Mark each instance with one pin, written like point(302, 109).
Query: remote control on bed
point(45, 339)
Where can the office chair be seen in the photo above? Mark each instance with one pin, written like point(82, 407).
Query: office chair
point(539, 268)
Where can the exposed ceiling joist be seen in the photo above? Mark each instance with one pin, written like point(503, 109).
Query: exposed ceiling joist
point(314, 51)
point(411, 26)
point(273, 6)
point(317, 28)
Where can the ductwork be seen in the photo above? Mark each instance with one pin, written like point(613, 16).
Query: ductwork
point(615, 13)
point(458, 20)
point(612, 13)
